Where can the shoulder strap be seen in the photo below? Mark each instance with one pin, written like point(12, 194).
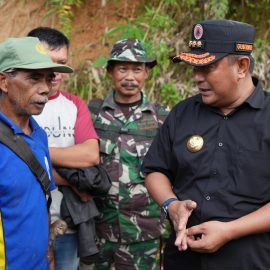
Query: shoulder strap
point(95, 106)
point(161, 112)
point(19, 146)
point(108, 129)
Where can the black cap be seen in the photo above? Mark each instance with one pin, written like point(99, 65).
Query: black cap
point(214, 39)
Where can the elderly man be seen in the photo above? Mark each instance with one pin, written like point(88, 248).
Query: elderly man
point(73, 143)
point(208, 166)
point(126, 122)
point(26, 74)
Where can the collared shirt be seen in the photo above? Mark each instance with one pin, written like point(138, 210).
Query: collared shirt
point(23, 212)
point(128, 214)
point(228, 178)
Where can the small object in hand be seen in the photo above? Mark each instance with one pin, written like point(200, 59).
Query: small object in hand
point(59, 227)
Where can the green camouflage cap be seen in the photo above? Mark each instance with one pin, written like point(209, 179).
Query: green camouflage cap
point(130, 50)
point(27, 53)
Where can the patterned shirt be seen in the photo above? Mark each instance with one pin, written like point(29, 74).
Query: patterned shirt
point(128, 214)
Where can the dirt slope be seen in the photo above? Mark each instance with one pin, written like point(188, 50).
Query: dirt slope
point(90, 22)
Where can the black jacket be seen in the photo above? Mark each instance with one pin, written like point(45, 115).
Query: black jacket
point(80, 215)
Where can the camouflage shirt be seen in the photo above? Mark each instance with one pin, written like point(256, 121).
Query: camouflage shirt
point(128, 214)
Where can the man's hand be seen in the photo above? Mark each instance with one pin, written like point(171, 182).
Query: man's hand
point(179, 212)
point(59, 180)
point(84, 196)
point(59, 227)
point(208, 237)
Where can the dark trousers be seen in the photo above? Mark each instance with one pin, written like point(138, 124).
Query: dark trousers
point(180, 260)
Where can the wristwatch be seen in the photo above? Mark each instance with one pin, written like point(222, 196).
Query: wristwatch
point(166, 204)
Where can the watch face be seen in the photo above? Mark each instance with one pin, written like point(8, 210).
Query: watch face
point(164, 213)
point(165, 205)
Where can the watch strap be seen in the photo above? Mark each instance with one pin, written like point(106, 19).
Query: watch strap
point(166, 204)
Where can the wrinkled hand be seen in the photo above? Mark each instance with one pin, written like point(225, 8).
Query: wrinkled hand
point(84, 196)
point(59, 227)
point(208, 237)
point(179, 212)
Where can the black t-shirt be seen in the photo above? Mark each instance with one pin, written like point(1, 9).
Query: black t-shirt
point(228, 177)
point(128, 108)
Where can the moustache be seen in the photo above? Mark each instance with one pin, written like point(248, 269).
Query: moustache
point(41, 100)
point(129, 84)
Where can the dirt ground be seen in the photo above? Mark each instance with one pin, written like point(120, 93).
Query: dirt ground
point(90, 23)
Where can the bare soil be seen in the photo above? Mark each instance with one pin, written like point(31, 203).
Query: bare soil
point(90, 23)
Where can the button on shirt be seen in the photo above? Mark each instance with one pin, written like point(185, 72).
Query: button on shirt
point(228, 178)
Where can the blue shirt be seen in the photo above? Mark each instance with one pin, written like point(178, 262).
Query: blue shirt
point(24, 218)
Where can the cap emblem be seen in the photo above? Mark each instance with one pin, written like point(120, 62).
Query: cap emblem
point(244, 47)
point(195, 143)
point(198, 59)
point(41, 49)
point(195, 44)
point(198, 31)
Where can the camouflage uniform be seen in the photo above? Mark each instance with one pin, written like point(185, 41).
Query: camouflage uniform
point(129, 225)
point(128, 214)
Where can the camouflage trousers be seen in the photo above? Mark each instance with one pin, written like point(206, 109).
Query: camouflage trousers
point(135, 256)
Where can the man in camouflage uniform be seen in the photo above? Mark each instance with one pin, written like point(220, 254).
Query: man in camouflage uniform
point(126, 122)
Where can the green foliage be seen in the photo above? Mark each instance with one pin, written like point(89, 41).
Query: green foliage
point(169, 95)
point(261, 46)
point(216, 9)
point(164, 26)
point(63, 9)
point(253, 12)
point(89, 81)
point(155, 28)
